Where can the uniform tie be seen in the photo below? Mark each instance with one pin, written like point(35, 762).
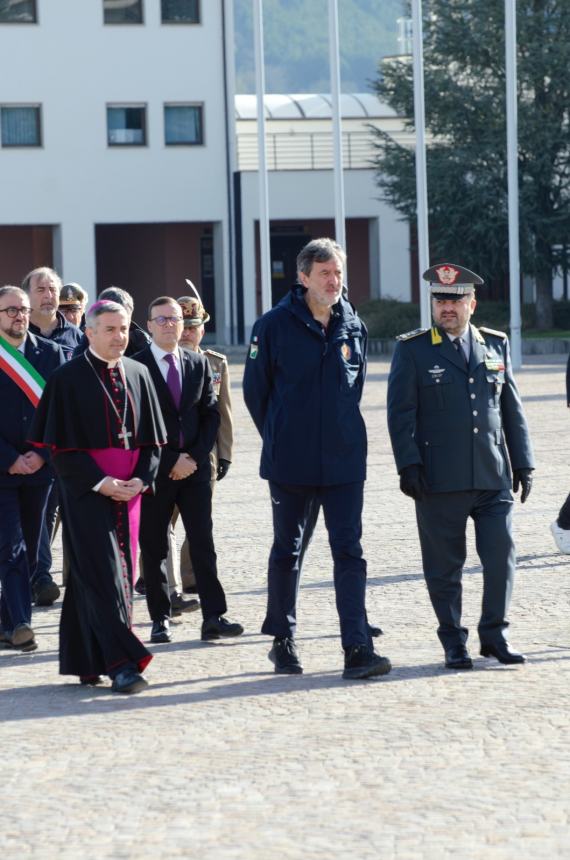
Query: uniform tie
point(458, 344)
point(173, 380)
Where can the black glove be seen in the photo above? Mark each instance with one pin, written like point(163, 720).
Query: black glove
point(522, 477)
point(412, 481)
point(223, 468)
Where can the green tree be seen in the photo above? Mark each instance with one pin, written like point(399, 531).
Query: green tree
point(464, 69)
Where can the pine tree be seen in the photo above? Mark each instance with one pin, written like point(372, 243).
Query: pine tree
point(464, 69)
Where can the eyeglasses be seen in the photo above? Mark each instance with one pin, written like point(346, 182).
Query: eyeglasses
point(13, 312)
point(163, 320)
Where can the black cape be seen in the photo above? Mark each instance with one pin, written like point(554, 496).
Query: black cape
point(72, 417)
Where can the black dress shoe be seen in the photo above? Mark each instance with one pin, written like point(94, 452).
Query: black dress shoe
point(90, 680)
point(218, 627)
point(285, 657)
point(128, 681)
point(160, 631)
point(362, 662)
point(458, 658)
point(502, 652)
point(179, 604)
point(140, 587)
point(46, 592)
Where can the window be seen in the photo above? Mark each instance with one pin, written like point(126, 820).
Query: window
point(18, 12)
point(183, 125)
point(122, 11)
point(126, 125)
point(180, 11)
point(21, 125)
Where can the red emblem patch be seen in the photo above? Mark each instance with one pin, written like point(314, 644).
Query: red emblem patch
point(346, 351)
point(447, 274)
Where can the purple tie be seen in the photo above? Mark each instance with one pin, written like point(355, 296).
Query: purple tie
point(173, 380)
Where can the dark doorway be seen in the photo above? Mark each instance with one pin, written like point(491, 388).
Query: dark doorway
point(23, 249)
point(285, 245)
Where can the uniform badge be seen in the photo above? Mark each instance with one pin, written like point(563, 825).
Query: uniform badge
point(436, 372)
point(346, 351)
point(254, 348)
point(493, 363)
point(447, 274)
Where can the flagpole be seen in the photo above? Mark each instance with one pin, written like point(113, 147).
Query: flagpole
point(513, 180)
point(264, 241)
point(334, 60)
point(421, 171)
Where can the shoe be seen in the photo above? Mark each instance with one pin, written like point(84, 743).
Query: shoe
point(561, 538)
point(128, 681)
point(285, 657)
point(218, 627)
point(362, 662)
point(160, 631)
point(90, 680)
point(140, 587)
point(190, 589)
point(45, 593)
point(374, 631)
point(502, 652)
point(22, 638)
point(179, 605)
point(458, 658)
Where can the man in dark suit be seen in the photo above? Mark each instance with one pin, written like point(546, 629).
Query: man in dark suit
point(461, 443)
point(26, 361)
point(183, 382)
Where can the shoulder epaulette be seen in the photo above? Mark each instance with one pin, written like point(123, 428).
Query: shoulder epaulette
point(501, 334)
point(213, 352)
point(410, 334)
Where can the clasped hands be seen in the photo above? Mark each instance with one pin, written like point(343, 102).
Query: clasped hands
point(121, 491)
point(26, 464)
point(183, 468)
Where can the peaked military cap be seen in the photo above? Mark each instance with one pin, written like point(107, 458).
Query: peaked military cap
point(72, 294)
point(193, 311)
point(450, 281)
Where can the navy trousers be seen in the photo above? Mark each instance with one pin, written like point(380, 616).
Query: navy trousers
point(42, 569)
point(21, 514)
point(442, 522)
point(293, 514)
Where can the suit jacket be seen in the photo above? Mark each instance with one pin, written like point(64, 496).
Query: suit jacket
point(192, 428)
point(17, 411)
point(463, 423)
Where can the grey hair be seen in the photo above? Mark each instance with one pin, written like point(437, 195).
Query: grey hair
point(15, 290)
point(102, 307)
point(319, 251)
point(120, 296)
point(41, 272)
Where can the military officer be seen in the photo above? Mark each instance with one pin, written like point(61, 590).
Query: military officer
point(461, 441)
point(72, 303)
point(195, 319)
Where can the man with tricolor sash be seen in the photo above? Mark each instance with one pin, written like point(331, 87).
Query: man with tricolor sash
point(26, 361)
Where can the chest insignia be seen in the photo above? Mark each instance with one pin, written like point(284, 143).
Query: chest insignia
point(436, 371)
point(346, 351)
point(216, 378)
point(492, 363)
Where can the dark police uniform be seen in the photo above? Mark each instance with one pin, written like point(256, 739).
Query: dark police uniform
point(303, 385)
point(465, 425)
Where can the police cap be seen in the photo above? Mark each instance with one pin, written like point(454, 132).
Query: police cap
point(450, 281)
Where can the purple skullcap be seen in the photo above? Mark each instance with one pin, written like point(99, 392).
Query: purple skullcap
point(99, 305)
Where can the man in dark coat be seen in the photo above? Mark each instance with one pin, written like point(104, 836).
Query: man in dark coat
point(302, 385)
point(100, 418)
point(138, 338)
point(26, 361)
point(183, 382)
point(461, 443)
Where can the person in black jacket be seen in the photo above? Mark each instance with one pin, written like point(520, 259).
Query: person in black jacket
point(183, 382)
point(302, 385)
point(138, 338)
point(26, 361)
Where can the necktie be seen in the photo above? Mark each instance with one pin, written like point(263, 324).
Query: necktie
point(173, 380)
point(458, 344)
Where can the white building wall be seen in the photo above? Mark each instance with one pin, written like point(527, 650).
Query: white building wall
point(74, 65)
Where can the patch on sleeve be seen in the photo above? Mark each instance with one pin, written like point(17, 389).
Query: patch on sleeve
point(254, 348)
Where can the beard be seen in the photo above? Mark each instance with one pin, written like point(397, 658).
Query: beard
point(14, 332)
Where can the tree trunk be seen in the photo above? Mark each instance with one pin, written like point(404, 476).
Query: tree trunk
point(544, 317)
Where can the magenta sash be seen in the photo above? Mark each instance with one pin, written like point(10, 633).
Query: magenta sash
point(120, 463)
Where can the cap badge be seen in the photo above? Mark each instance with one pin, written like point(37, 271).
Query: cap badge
point(447, 274)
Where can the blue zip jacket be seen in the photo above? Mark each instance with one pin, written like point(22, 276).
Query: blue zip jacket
point(65, 334)
point(303, 387)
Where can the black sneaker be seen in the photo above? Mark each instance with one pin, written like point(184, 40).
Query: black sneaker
point(285, 657)
point(362, 662)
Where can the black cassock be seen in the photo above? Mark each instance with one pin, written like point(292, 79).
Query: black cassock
point(83, 414)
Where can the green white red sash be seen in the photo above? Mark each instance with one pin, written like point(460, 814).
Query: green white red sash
point(21, 371)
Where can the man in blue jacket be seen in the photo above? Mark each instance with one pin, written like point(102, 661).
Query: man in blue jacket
point(26, 361)
point(302, 385)
point(461, 443)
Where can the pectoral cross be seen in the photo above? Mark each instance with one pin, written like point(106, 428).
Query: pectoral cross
point(124, 437)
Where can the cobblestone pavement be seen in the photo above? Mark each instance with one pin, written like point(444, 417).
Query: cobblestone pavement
point(222, 760)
